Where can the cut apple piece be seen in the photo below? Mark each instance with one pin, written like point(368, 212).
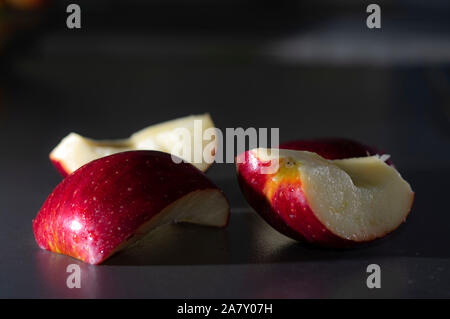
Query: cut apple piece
point(170, 137)
point(334, 203)
point(111, 202)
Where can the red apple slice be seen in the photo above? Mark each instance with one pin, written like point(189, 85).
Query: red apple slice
point(75, 150)
point(334, 148)
point(334, 203)
point(111, 202)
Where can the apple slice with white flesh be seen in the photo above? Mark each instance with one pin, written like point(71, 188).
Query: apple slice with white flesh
point(113, 201)
point(332, 203)
point(75, 150)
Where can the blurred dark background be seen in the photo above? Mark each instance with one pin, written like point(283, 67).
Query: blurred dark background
point(311, 68)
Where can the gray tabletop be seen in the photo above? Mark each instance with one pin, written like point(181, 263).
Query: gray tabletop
point(51, 92)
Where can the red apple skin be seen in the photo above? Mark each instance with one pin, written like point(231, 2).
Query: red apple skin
point(103, 203)
point(334, 148)
point(283, 205)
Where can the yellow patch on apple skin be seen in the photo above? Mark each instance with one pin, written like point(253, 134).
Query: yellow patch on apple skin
point(288, 173)
point(56, 243)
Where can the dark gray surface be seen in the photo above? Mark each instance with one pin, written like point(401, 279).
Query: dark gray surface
point(405, 111)
point(249, 259)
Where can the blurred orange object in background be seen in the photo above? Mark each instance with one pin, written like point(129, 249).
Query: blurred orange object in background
point(25, 4)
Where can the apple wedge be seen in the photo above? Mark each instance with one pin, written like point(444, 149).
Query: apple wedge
point(75, 150)
point(111, 202)
point(333, 203)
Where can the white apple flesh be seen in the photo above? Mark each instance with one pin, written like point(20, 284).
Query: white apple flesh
point(75, 150)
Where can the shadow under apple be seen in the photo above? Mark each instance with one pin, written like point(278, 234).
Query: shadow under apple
point(250, 240)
